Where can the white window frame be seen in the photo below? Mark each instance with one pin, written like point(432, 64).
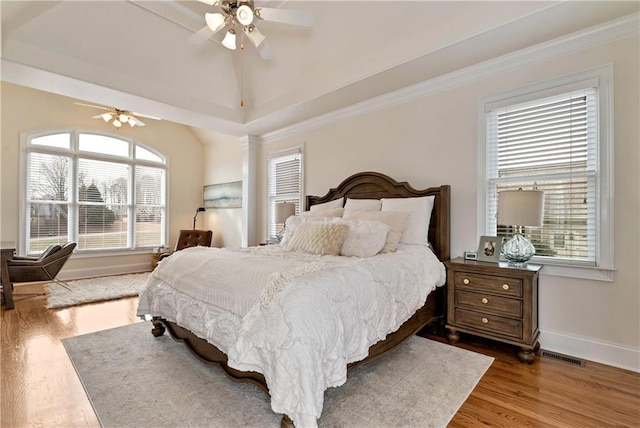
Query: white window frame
point(75, 153)
point(601, 77)
point(270, 203)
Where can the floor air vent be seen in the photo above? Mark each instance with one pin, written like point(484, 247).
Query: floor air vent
point(561, 357)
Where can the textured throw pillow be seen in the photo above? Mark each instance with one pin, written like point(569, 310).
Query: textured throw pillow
point(363, 204)
point(419, 209)
point(365, 238)
point(336, 203)
point(396, 221)
point(318, 238)
point(294, 221)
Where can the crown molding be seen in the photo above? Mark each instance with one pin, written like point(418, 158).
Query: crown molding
point(609, 32)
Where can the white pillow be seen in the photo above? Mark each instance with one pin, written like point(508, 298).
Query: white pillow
point(294, 221)
point(363, 204)
point(419, 209)
point(396, 221)
point(365, 238)
point(336, 203)
point(318, 238)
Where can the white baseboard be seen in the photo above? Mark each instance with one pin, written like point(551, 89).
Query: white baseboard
point(611, 354)
point(92, 272)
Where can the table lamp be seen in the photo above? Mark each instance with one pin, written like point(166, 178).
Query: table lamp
point(284, 210)
point(519, 208)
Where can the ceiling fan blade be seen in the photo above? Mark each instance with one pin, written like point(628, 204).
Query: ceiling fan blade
point(209, 2)
point(94, 106)
point(97, 116)
point(284, 16)
point(265, 51)
point(146, 116)
point(201, 36)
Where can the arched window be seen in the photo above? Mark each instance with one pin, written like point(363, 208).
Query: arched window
point(104, 192)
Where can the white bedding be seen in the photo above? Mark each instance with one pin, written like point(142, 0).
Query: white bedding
point(297, 318)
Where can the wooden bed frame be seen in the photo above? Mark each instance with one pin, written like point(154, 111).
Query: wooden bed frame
point(364, 185)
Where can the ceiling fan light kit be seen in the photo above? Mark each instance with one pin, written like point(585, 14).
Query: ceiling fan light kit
point(118, 117)
point(240, 16)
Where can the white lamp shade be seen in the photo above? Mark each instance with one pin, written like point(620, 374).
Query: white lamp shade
point(215, 21)
point(284, 210)
point(244, 15)
point(107, 116)
point(520, 207)
point(229, 40)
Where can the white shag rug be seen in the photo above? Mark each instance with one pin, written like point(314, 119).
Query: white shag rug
point(95, 289)
point(136, 380)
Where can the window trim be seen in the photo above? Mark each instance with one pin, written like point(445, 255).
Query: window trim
point(299, 148)
point(74, 152)
point(602, 76)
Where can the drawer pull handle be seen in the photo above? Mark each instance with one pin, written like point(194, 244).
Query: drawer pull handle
point(466, 281)
point(485, 321)
point(485, 300)
point(505, 286)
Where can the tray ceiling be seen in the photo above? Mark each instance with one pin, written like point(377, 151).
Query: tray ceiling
point(136, 54)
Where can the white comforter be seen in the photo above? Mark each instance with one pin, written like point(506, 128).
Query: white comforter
point(297, 318)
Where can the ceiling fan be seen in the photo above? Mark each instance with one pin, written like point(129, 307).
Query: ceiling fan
point(118, 117)
point(240, 16)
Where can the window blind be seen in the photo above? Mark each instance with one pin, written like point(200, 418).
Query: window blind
point(89, 188)
point(285, 185)
point(549, 144)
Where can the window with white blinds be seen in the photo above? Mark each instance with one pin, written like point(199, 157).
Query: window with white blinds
point(552, 142)
point(94, 190)
point(284, 185)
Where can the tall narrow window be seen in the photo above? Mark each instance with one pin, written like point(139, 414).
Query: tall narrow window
point(103, 192)
point(551, 140)
point(285, 185)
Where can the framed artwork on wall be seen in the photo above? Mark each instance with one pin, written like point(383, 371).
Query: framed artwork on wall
point(223, 195)
point(489, 249)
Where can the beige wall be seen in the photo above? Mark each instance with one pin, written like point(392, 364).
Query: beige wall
point(26, 110)
point(433, 141)
point(223, 164)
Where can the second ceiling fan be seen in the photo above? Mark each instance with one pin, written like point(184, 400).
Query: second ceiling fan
point(238, 17)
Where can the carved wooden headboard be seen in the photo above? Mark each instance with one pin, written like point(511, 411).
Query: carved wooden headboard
point(373, 185)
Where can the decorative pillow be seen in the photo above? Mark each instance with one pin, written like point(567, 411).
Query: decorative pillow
point(365, 238)
point(396, 221)
point(294, 221)
point(336, 203)
point(363, 205)
point(419, 209)
point(318, 238)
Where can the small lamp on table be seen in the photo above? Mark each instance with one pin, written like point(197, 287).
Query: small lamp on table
point(520, 208)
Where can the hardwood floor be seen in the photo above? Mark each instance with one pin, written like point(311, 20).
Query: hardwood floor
point(39, 386)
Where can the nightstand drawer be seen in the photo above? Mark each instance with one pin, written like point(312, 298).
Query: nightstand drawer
point(490, 284)
point(490, 303)
point(490, 323)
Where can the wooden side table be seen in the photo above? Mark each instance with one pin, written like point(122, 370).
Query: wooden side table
point(155, 258)
point(7, 290)
point(496, 301)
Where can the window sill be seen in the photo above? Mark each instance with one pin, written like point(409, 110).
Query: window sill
point(582, 272)
point(89, 254)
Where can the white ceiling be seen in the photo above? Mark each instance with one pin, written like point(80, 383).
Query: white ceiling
point(136, 55)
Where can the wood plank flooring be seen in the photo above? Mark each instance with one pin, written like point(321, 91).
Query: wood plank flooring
point(39, 387)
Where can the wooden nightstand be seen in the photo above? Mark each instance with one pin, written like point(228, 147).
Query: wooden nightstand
point(495, 301)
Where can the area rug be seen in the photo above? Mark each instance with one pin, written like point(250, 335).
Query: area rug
point(94, 289)
point(133, 379)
